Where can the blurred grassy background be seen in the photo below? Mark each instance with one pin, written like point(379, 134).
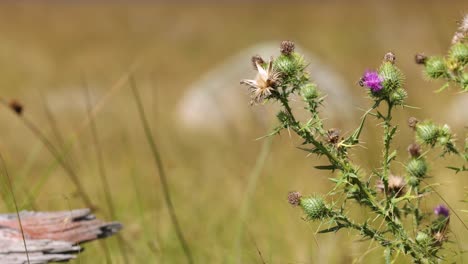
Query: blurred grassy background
point(47, 48)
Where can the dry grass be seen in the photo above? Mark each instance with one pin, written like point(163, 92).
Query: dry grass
point(47, 48)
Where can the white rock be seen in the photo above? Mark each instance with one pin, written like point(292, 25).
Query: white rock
point(217, 102)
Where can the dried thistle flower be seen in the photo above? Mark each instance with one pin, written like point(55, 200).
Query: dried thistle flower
point(440, 237)
point(396, 185)
point(294, 198)
point(287, 47)
point(333, 135)
point(412, 122)
point(462, 32)
point(458, 37)
point(263, 84)
point(414, 150)
point(420, 58)
point(257, 59)
point(390, 57)
point(16, 106)
point(464, 24)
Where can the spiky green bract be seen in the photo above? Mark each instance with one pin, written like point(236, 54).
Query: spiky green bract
point(292, 70)
point(435, 67)
point(451, 68)
point(290, 65)
point(432, 135)
point(393, 78)
point(315, 208)
point(423, 239)
point(398, 97)
point(310, 95)
point(417, 168)
point(445, 140)
point(427, 133)
point(439, 224)
point(414, 181)
point(309, 92)
point(459, 53)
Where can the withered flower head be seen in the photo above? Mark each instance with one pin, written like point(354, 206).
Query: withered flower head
point(294, 198)
point(414, 150)
point(390, 57)
point(457, 37)
point(262, 86)
point(16, 106)
point(257, 59)
point(287, 47)
point(396, 185)
point(420, 58)
point(412, 122)
point(333, 136)
point(464, 24)
point(461, 35)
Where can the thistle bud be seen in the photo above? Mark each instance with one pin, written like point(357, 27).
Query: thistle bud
point(392, 76)
point(420, 58)
point(423, 239)
point(459, 53)
point(417, 168)
point(309, 92)
point(390, 57)
point(16, 106)
point(435, 67)
point(287, 47)
point(315, 208)
point(414, 181)
point(398, 97)
point(427, 133)
point(294, 198)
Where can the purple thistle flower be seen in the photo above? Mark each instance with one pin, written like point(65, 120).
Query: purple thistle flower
point(441, 210)
point(372, 80)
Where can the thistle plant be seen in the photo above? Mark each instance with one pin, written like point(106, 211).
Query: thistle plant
point(390, 199)
point(450, 68)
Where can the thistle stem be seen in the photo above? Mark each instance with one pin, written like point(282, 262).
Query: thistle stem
point(388, 136)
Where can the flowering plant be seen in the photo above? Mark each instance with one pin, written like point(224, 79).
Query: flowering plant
point(393, 199)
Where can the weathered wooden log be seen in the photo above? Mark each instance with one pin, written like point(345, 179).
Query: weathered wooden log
point(49, 236)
